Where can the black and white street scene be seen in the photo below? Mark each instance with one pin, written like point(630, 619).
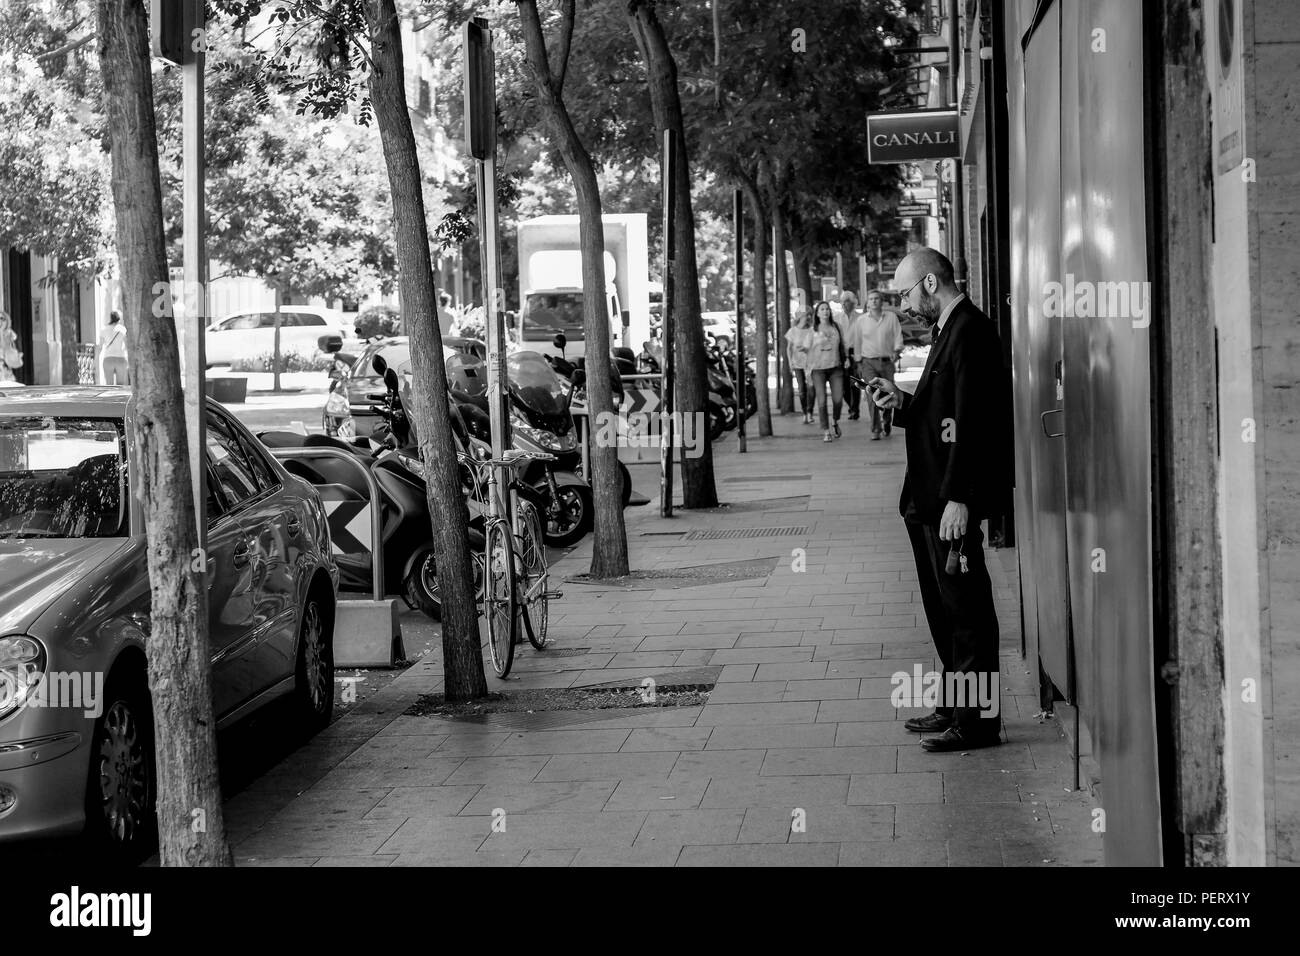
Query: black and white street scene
point(651, 433)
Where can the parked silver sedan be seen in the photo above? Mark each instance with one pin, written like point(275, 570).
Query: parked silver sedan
point(76, 724)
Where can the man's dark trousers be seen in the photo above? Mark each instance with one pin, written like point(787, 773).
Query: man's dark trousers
point(963, 622)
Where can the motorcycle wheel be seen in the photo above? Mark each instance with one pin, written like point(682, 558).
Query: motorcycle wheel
point(575, 519)
point(717, 423)
point(421, 590)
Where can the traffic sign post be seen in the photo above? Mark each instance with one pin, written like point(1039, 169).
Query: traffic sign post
point(480, 136)
point(179, 34)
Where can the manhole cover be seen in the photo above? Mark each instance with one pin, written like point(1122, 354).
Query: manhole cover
point(717, 534)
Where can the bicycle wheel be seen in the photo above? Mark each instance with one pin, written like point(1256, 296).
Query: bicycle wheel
point(499, 596)
point(532, 552)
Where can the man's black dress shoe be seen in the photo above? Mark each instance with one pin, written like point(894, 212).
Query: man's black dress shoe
point(953, 739)
point(935, 723)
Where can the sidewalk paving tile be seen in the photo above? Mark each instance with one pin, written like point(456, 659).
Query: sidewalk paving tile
point(643, 855)
point(567, 796)
point(828, 689)
point(800, 791)
point(896, 788)
point(794, 712)
point(771, 736)
point(717, 763)
point(404, 802)
point(498, 769)
point(817, 824)
point(563, 742)
point(666, 738)
point(819, 761)
point(617, 766)
point(761, 855)
point(674, 793)
point(894, 853)
point(690, 827)
point(756, 692)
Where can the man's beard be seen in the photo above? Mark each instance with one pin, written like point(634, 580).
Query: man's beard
point(929, 309)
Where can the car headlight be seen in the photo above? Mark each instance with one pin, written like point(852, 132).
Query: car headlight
point(22, 664)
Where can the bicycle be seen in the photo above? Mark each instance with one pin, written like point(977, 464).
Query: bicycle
point(513, 564)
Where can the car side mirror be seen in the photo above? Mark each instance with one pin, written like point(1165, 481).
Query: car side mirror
point(559, 341)
point(390, 378)
point(380, 366)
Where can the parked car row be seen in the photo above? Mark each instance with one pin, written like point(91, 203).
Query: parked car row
point(75, 608)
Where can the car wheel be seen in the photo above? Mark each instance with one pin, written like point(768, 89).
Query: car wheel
point(121, 792)
point(314, 674)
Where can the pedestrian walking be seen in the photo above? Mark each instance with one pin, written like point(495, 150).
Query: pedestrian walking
point(112, 350)
point(10, 355)
point(848, 328)
point(799, 339)
point(826, 358)
point(957, 427)
point(874, 348)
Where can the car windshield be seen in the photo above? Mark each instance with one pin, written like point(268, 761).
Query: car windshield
point(551, 312)
point(535, 384)
point(62, 478)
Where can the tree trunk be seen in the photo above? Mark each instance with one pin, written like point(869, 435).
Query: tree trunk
point(781, 281)
point(180, 678)
point(692, 385)
point(761, 325)
point(461, 646)
point(609, 552)
point(803, 274)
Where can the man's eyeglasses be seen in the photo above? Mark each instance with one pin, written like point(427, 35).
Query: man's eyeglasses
point(914, 285)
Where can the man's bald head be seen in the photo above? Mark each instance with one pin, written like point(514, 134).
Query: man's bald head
point(926, 261)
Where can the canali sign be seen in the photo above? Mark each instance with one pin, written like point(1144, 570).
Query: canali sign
point(912, 136)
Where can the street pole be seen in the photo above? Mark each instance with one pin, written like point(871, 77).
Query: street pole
point(957, 237)
point(741, 394)
point(195, 260)
point(778, 342)
point(498, 382)
point(667, 167)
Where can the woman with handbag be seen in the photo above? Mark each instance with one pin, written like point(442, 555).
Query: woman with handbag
point(10, 357)
point(826, 359)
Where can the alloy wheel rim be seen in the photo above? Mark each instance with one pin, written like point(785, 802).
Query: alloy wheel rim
point(123, 774)
point(313, 656)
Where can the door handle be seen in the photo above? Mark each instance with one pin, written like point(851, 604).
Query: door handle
point(241, 555)
point(1042, 420)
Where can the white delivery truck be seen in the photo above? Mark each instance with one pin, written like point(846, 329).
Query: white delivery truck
point(550, 282)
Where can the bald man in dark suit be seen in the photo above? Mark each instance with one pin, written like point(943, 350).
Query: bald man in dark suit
point(958, 427)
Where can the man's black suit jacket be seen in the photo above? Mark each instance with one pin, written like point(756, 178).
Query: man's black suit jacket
point(958, 423)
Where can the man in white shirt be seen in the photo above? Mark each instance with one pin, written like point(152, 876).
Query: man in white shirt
point(874, 347)
point(848, 326)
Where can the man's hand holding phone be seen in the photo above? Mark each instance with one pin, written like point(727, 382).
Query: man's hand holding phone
point(885, 393)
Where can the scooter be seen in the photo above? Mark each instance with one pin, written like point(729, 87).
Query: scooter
point(403, 502)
